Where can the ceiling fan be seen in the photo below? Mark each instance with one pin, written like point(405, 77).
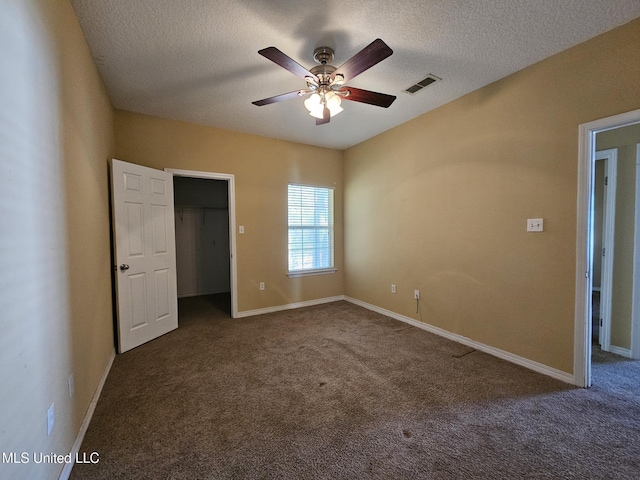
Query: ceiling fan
point(326, 84)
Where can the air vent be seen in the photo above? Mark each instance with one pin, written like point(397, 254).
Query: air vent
point(431, 79)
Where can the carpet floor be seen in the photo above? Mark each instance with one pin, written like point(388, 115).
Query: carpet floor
point(339, 392)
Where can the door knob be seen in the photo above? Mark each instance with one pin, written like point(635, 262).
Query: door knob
point(124, 267)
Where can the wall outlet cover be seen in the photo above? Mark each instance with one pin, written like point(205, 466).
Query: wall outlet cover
point(72, 386)
point(51, 418)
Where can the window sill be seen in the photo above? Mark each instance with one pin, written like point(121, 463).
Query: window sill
point(305, 273)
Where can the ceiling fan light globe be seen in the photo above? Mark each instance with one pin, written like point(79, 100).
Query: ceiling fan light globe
point(317, 111)
point(333, 100)
point(313, 102)
point(335, 109)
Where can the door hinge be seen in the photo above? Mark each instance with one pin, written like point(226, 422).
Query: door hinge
point(606, 181)
point(601, 322)
point(603, 251)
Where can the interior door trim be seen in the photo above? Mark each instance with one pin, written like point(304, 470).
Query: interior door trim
point(584, 229)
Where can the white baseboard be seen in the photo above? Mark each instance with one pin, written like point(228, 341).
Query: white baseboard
point(66, 471)
point(496, 352)
point(623, 352)
point(289, 306)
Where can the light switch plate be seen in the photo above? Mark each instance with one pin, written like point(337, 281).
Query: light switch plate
point(535, 225)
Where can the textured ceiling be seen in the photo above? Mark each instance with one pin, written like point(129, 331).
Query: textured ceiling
point(197, 60)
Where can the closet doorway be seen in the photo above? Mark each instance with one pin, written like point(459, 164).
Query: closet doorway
point(204, 230)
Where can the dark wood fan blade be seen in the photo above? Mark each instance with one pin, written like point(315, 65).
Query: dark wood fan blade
point(326, 117)
point(367, 96)
point(276, 56)
point(366, 58)
point(280, 98)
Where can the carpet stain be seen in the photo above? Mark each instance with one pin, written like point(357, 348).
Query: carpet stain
point(322, 384)
point(403, 329)
point(407, 433)
point(464, 354)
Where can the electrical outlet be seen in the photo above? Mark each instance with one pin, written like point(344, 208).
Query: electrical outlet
point(416, 294)
point(393, 288)
point(261, 285)
point(51, 419)
point(72, 386)
point(241, 229)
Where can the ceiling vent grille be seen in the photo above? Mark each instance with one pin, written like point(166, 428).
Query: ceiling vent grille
point(429, 80)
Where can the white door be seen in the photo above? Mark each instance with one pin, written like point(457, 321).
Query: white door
point(143, 223)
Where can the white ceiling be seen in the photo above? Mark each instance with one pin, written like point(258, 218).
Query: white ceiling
point(197, 60)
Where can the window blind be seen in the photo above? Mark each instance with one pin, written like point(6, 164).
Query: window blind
point(310, 222)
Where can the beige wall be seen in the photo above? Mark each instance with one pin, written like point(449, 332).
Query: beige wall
point(262, 167)
point(625, 140)
point(440, 203)
point(55, 283)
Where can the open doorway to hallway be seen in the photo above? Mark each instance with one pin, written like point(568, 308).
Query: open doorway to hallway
point(621, 336)
point(613, 279)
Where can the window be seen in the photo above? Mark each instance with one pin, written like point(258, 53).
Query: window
point(310, 229)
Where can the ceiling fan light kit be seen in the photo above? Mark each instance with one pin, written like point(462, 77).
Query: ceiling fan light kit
point(316, 102)
point(326, 84)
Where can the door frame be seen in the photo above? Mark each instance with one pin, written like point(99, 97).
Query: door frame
point(584, 239)
point(635, 305)
point(610, 158)
point(231, 192)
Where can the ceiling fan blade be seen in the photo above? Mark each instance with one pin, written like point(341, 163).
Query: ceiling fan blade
point(280, 98)
point(367, 96)
point(286, 62)
point(326, 117)
point(366, 58)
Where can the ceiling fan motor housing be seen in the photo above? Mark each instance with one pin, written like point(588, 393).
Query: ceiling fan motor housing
point(323, 55)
